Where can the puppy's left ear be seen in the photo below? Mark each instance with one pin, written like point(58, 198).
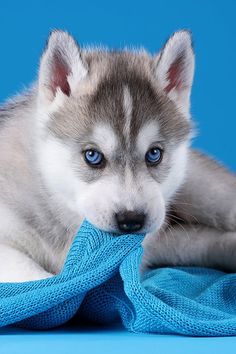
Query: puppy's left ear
point(61, 68)
point(174, 69)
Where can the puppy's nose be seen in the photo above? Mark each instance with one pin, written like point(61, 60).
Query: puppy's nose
point(130, 221)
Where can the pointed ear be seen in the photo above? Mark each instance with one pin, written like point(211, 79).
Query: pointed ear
point(174, 68)
point(61, 67)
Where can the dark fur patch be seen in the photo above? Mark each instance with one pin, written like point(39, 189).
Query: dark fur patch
point(148, 103)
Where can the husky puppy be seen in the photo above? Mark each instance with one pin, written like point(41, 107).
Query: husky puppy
point(105, 135)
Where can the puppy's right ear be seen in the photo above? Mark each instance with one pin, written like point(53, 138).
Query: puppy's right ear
point(61, 67)
point(174, 68)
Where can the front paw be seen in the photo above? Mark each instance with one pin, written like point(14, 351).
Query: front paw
point(231, 226)
point(226, 220)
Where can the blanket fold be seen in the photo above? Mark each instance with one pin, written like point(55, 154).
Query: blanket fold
point(101, 282)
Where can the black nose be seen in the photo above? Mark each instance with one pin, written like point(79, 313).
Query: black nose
point(130, 221)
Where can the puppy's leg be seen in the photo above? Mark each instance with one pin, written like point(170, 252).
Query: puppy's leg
point(208, 195)
point(191, 246)
point(18, 267)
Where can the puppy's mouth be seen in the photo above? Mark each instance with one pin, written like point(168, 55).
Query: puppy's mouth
point(127, 223)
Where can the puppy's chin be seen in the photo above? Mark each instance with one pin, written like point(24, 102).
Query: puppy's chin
point(153, 228)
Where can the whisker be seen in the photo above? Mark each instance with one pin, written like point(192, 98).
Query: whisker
point(187, 214)
point(183, 228)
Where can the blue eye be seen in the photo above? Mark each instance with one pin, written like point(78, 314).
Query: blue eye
point(154, 156)
point(93, 157)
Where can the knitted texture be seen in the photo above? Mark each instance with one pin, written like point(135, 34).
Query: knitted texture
point(101, 282)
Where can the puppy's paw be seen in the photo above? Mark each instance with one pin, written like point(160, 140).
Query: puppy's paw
point(233, 219)
point(228, 249)
point(225, 221)
point(231, 222)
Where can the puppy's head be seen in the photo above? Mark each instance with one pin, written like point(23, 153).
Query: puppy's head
point(114, 130)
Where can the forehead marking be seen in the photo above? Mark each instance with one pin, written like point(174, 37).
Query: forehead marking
point(128, 107)
point(103, 135)
point(129, 188)
point(149, 133)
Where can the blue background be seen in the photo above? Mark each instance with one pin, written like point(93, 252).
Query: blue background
point(24, 27)
point(107, 341)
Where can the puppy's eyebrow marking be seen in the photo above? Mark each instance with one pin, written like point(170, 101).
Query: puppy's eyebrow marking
point(148, 134)
point(104, 136)
point(128, 107)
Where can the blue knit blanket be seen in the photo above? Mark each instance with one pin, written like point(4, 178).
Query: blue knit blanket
point(101, 282)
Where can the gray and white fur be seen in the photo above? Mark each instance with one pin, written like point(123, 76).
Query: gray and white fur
point(122, 104)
